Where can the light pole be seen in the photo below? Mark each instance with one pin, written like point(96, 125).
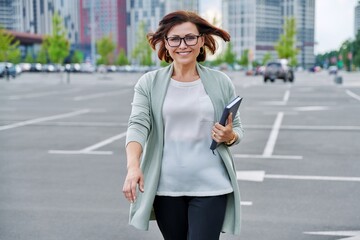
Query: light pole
point(92, 25)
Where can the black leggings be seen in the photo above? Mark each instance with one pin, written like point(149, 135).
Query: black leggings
point(190, 218)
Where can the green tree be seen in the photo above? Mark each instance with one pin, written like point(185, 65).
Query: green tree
point(244, 60)
point(9, 51)
point(58, 45)
point(142, 50)
point(355, 51)
point(77, 57)
point(229, 56)
point(105, 48)
point(122, 59)
point(344, 51)
point(286, 45)
point(29, 57)
point(267, 56)
point(42, 55)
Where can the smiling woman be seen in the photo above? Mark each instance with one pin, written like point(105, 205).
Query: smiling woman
point(173, 175)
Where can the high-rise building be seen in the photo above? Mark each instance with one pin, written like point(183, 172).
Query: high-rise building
point(357, 18)
point(35, 16)
point(256, 26)
point(109, 19)
point(10, 14)
point(150, 12)
point(190, 5)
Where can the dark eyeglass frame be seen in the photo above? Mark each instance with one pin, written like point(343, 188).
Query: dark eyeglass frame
point(183, 39)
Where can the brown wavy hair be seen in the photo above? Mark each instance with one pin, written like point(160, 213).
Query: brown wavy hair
point(207, 30)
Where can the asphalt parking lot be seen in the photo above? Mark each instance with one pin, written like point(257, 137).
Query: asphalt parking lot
point(62, 159)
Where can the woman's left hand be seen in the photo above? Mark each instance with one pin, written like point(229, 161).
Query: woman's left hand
point(223, 133)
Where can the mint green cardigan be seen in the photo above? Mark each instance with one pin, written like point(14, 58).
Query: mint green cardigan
point(147, 128)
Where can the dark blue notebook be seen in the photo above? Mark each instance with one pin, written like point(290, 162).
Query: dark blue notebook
point(232, 107)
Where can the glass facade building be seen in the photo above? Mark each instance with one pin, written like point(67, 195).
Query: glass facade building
point(150, 12)
point(357, 19)
point(256, 25)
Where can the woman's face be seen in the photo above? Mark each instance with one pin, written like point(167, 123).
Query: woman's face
point(183, 43)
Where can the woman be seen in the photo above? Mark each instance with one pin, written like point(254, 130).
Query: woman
point(173, 176)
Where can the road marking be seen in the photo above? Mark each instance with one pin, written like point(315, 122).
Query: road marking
point(294, 157)
point(269, 148)
point(311, 108)
point(353, 95)
point(251, 176)
point(35, 95)
point(306, 127)
point(259, 176)
point(91, 149)
point(286, 96)
point(99, 95)
point(349, 235)
point(316, 178)
point(246, 203)
point(44, 119)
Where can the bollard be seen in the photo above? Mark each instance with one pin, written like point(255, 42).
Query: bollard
point(338, 79)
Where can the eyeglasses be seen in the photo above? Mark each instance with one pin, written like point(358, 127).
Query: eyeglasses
point(190, 40)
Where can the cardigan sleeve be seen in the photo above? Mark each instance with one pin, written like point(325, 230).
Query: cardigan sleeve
point(140, 123)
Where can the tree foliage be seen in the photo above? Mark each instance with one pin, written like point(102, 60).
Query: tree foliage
point(77, 57)
point(229, 56)
point(355, 50)
point(142, 50)
point(122, 59)
point(105, 48)
point(267, 57)
point(42, 55)
point(244, 60)
point(286, 45)
point(58, 45)
point(9, 50)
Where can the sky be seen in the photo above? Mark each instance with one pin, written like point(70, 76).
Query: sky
point(334, 21)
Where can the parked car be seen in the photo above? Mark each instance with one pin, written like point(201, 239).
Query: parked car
point(278, 70)
point(333, 70)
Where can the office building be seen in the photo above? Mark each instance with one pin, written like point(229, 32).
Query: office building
point(257, 25)
point(35, 16)
point(109, 20)
point(190, 5)
point(357, 19)
point(150, 12)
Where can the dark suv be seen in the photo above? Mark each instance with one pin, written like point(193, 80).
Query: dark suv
point(278, 70)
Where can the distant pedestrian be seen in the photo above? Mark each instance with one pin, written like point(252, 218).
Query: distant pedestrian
point(7, 72)
point(173, 176)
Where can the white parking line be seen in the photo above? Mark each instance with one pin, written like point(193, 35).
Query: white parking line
point(98, 95)
point(260, 176)
point(286, 96)
point(91, 149)
point(269, 148)
point(318, 178)
point(35, 95)
point(353, 95)
point(44, 119)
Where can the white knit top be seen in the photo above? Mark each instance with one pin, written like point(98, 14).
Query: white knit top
point(189, 167)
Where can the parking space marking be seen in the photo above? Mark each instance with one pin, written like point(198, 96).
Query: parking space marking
point(44, 119)
point(286, 96)
point(349, 235)
point(291, 157)
point(269, 148)
point(91, 149)
point(353, 95)
point(43, 94)
point(259, 176)
point(99, 95)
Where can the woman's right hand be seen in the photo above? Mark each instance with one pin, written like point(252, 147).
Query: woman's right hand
point(134, 178)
